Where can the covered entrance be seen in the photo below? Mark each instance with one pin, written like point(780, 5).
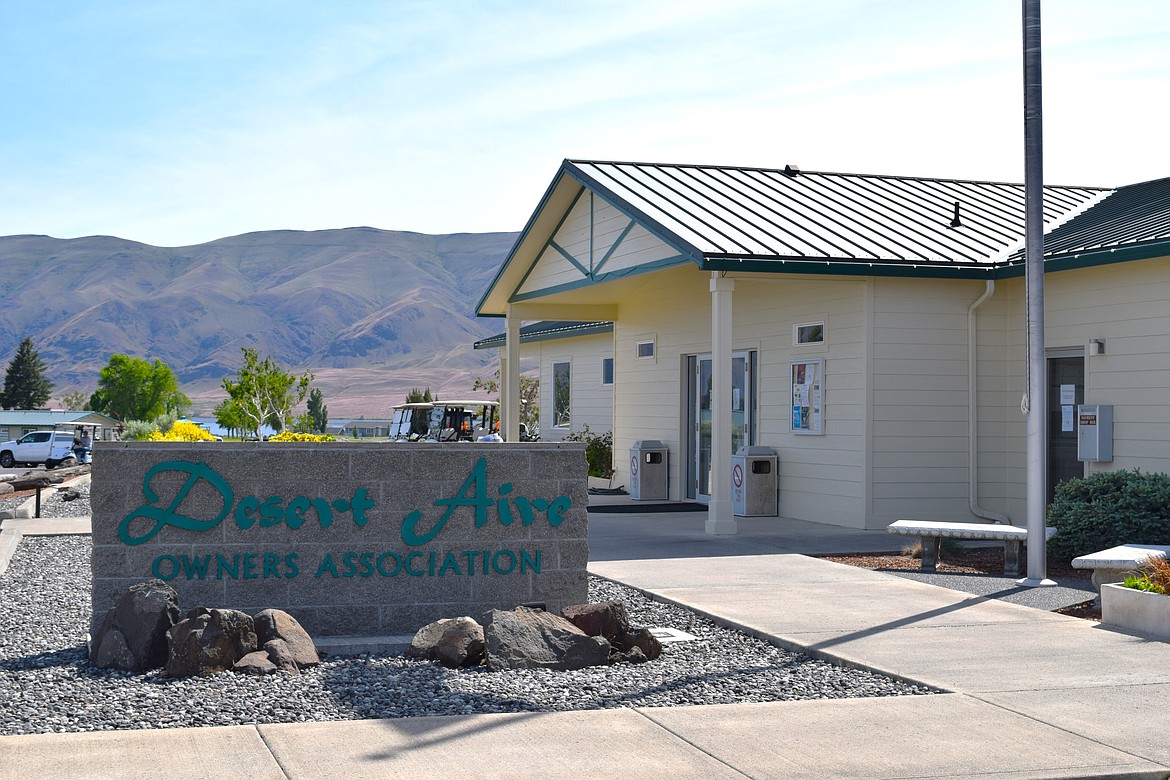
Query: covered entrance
point(697, 400)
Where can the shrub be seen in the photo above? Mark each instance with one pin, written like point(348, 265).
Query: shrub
point(1153, 577)
point(291, 436)
point(138, 430)
point(598, 451)
point(182, 431)
point(1108, 509)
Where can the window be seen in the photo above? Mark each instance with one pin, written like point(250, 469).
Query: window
point(808, 333)
point(561, 418)
point(607, 371)
point(644, 349)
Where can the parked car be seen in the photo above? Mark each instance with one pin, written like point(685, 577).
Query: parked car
point(49, 448)
point(37, 448)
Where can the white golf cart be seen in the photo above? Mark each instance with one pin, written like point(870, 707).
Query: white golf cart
point(463, 420)
point(410, 421)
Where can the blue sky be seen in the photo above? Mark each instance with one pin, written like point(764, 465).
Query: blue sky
point(174, 123)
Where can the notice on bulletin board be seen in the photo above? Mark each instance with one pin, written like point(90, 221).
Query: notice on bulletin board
point(808, 396)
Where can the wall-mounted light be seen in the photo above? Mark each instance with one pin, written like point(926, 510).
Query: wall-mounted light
point(1096, 346)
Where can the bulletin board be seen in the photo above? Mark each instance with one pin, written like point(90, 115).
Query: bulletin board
point(808, 396)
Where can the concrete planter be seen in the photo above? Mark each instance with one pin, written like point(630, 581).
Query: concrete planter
point(1136, 610)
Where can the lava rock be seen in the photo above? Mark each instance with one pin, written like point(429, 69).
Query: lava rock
point(534, 639)
point(607, 619)
point(133, 634)
point(209, 641)
point(453, 642)
point(277, 624)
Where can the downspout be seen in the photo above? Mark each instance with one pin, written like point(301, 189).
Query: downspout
point(973, 415)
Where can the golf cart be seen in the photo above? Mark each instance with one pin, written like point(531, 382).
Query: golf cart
point(410, 421)
point(463, 420)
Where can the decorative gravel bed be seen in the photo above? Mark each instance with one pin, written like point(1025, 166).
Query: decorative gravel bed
point(46, 685)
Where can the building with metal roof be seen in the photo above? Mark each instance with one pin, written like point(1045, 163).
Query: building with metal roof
point(868, 329)
point(15, 423)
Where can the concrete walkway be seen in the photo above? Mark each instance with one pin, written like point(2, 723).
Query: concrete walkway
point(1032, 695)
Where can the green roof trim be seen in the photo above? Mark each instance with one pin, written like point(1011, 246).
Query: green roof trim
point(547, 331)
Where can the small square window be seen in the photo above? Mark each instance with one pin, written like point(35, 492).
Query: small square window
point(644, 349)
point(607, 371)
point(808, 333)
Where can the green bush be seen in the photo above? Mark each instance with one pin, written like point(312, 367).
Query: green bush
point(1108, 509)
point(598, 451)
point(138, 430)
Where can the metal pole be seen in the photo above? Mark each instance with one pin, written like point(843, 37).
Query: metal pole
point(1036, 399)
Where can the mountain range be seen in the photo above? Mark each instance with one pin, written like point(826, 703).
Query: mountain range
point(372, 313)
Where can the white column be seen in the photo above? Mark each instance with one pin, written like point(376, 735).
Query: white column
point(510, 378)
point(719, 517)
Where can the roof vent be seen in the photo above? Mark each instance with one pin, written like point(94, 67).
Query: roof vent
point(791, 170)
point(955, 223)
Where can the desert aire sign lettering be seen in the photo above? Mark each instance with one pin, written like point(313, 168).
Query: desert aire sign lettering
point(255, 513)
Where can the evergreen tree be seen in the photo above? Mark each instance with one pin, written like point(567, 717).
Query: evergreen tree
point(318, 412)
point(25, 384)
point(416, 396)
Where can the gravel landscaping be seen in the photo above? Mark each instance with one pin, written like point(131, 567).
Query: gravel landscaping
point(47, 686)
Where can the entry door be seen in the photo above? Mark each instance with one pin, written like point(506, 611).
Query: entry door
point(742, 422)
point(1066, 390)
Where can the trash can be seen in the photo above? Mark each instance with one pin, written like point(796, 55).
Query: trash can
point(753, 482)
point(648, 474)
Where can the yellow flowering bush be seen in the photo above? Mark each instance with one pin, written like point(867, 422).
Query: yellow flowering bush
point(182, 431)
point(290, 436)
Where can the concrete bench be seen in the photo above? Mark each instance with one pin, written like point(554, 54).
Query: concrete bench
point(1117, 563)
point(931, 533)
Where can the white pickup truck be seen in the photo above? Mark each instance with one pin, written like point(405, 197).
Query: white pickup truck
point(47, 448)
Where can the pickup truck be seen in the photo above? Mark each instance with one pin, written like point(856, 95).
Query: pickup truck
point(47, 448)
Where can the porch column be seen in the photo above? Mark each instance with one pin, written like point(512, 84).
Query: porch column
point(719, 518)
point(510, 377)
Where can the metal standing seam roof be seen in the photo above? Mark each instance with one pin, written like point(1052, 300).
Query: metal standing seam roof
point(1132, 217)
point(39, 417)
point(540, 331)
point(724, 216)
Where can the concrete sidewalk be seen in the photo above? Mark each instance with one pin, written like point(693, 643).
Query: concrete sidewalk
point(1032, 695)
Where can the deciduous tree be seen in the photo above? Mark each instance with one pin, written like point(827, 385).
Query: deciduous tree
point(529, 396)
point(77, 401)
point(25, 384)
point(133, 389)
point(265, 392)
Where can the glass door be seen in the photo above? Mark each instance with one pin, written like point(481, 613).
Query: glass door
point(701, 470)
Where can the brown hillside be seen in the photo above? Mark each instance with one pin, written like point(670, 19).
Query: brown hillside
point(371, 312)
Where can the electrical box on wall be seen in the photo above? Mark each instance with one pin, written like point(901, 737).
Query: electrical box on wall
point(1095, 433)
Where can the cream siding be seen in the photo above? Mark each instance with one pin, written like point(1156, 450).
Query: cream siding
point(920, 415)
point(588, 233)
point(1127, 305)
point(821, 477)
point(590, 402)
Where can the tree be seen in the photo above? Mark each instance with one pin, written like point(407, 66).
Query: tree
point(416, 396)
point(25, 384)
point(529, 396)
point(264, 392)
point(133, 389)
point(230, 417)
point(317, 411)
point(76, 401)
